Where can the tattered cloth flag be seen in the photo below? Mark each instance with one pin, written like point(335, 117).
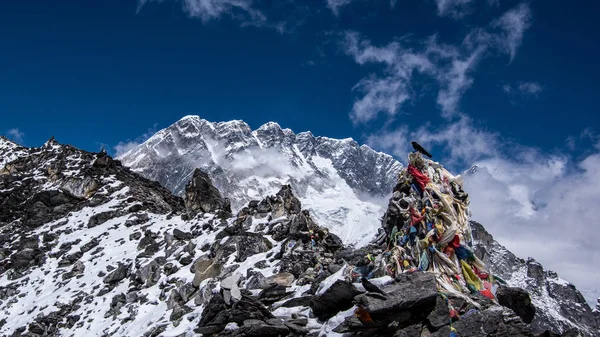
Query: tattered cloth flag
point(427, 229)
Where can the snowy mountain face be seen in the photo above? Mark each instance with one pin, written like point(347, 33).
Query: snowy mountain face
point(90, 248)
point(560, 306)
point(345, 186)
point(10, 151)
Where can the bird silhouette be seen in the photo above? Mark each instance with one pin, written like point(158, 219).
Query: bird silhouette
point(370, 287)
point(419, 148)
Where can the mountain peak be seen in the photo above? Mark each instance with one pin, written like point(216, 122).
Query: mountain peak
point(245, 165)
point(190, 118)
point(270, 126)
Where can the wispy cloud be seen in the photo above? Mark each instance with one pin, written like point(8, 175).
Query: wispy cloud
point(243, 11)
point(336, 5)
point(513, 24)
point(15, 135)
point(456, 80)
point(454, 8)
point(389, 91)
point(530, 88)
point(522, 90)
point(450, 67)
point(124, 146)
point(462, 142)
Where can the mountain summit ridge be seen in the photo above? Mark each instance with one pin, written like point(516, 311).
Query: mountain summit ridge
point(247, 164)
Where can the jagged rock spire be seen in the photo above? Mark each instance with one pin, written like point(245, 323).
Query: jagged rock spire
point(202, 196)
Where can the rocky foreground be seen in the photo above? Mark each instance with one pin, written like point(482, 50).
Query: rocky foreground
point(90, 248)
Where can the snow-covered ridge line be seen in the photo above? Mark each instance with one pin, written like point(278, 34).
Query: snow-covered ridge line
point(344, 184)
point(266, 126)
point(560, 306)
point(10, 151)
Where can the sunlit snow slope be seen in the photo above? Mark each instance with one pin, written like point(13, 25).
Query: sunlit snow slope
point(343, 184)
point(10, 151)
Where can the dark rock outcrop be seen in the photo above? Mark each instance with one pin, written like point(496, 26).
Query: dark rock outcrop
point(336, 298)
point(494, 321)
point(201, 196)
point(217, 314)
point(518, 300)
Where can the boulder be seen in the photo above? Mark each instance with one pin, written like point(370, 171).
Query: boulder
point(409, 331)
point(149, 274)
point(257, 281)
point(201, 196)
point(297, 262)
point(248, 245)
point(495, 321)
point(100, 218)
point(415, 291)
point(121, 272)
point(439, 315)
point(232, 284)
point(303, 301)
point(260, 329)
point(181, 235)
point(336, 298)
point(217, 314)
point(23, 257)
point(273, 293)
point(204, 269)
point(283, 279)
point(518, 300)
point(407, 302)
point(291, 204)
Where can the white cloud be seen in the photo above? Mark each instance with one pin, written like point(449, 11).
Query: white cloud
point(456, 82)
point(461, 142)
point(336, 5)
point(396, 142)
point(530, 88)
point(449, 67)
point(15, 135)
point(123, 147)
point(541, 209)
point(129, 144)
point(454, 8)
point(513, 25)
point(522, 90)
point(243, 11)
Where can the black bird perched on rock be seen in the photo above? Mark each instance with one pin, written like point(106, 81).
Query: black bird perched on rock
point(419, 148)
point(370, 287)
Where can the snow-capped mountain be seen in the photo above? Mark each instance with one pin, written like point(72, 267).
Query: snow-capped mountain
point(344, 185)
point(90, 248)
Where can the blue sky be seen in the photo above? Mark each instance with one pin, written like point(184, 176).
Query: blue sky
point(508, 85)
point(102, 72)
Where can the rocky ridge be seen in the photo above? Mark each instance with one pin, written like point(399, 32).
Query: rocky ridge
point(560, 306)
point(10, 151)
point(91, 248)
